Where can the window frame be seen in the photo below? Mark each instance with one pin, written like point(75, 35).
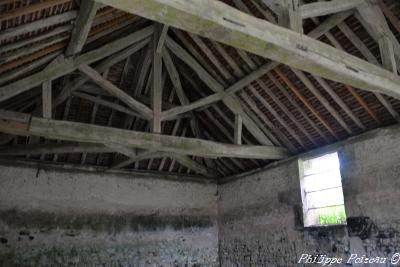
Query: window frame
point(303, 191)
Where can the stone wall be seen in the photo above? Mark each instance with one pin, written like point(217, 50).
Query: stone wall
point(260, 214)
point(56, 217)
point(52, 216)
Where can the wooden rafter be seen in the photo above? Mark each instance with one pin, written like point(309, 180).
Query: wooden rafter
point(117, 92)
point(45, 49)
point(253, 35)
point(214, 85)
point(293, 9)
point(83, 23)
point(157, 84)
point(305, 101)
point(34, 26)
point(66, 66)
point(254, 75)
point(31, 9)
point(251, 85)
point(367, 54)
point(373, 17)
point(101, 68)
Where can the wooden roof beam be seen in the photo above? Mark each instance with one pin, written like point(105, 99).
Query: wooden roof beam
point(29, 9)
point(389, 14)
point(256, 74)
point(37, 25)
point(101, 68)
point(317, 9)
point(375, 20)
point(286, 111)
point(157, 83)
point(299, 109)
point(117, 92)
point(325, 103)
point(105, 103)
point(24, 124)
point(359, 44)
point(66, 66)
point(277, 116)
point(47, 99)
point(230, 101)
point(83, 23)
point(262, 119)
point(305, 101)
point(294, 14)
point(161, 40)
point(264, 39)
point(237, 136)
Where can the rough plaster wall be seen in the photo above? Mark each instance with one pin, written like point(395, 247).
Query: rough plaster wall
point(260, 218)
point(62, 218)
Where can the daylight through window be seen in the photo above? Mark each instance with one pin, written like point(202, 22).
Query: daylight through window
point(322, 192)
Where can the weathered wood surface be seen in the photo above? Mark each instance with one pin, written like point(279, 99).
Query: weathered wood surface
point(66, 65)
point(325, 8)
point(117, 92)
point(260, 37)
point(20, 124)
point(83, 23)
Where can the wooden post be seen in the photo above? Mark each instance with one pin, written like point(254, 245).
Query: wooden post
point(156, 92)
point(238, 129)
point(265, 39)
point(387, 54)
point(295, 20)
point(47, 99)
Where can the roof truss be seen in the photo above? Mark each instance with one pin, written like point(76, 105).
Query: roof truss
point(258, 102)
point(260, 37)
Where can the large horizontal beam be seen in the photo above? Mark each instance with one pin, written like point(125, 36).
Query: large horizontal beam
point(220, 22)
point(39, 149)
point(26, 125)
